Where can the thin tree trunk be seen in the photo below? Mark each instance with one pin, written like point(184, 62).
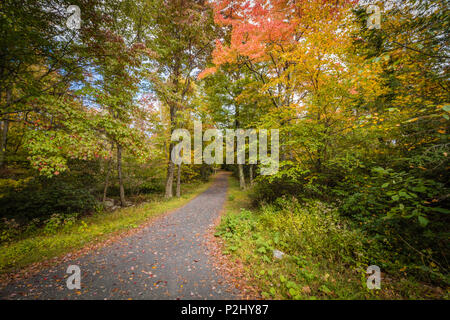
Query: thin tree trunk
point(251, 174)
point(170, 173)
point(240, 166)
point(108, 169)
point(5, 128)
point(179, 181)
point(169, 180)
point(105, 189)
point(119, 172)
point(241, 176)
point(171, 165)
point(172, 111)
point(4, 137)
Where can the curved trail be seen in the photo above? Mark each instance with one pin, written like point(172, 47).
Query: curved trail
point(167, 259)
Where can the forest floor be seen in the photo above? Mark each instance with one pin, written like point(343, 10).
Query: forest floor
point(167, 258)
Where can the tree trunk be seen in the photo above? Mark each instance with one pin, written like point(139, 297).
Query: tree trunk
point(179, 181)
point(119, 172)
point(241, 176)
point(4, 137)
point(240, 166)
point(5, 127)
point(169, 180)
point(172, 111)
point(251, 174)
point(170, 172)
point(108, 169)
point(170, 165)
point(105, 189)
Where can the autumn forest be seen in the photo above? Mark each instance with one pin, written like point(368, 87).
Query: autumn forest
point(357, 92)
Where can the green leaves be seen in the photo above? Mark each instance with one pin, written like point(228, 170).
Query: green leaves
point(272, 291)
point(325, 289)
point(423, 221)
point(262, 249)
point(440, 210)
point(293, 292)
point(446, 108)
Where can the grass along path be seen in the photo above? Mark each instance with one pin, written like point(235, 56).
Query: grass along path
point(324, 257)
point(89, 230)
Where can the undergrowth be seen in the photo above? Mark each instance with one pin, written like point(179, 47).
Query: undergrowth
point(325, 256)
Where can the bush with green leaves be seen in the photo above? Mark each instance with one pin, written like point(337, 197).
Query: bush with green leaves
point(404, 212)
point(58, 222)
point(42, 199)
point(392, 194)
point(9, 230)
point(316, 241)
point(310, 229)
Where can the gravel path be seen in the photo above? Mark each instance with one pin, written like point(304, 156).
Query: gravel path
point(167, 259)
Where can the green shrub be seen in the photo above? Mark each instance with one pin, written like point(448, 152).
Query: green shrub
point(41, 200)
point(403, 213)
point(313, 228)
point(154, 186)
point(59, 221)
point(322, 252)
point(9, 229)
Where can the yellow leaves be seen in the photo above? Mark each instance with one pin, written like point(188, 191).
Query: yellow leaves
point(441, 131)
